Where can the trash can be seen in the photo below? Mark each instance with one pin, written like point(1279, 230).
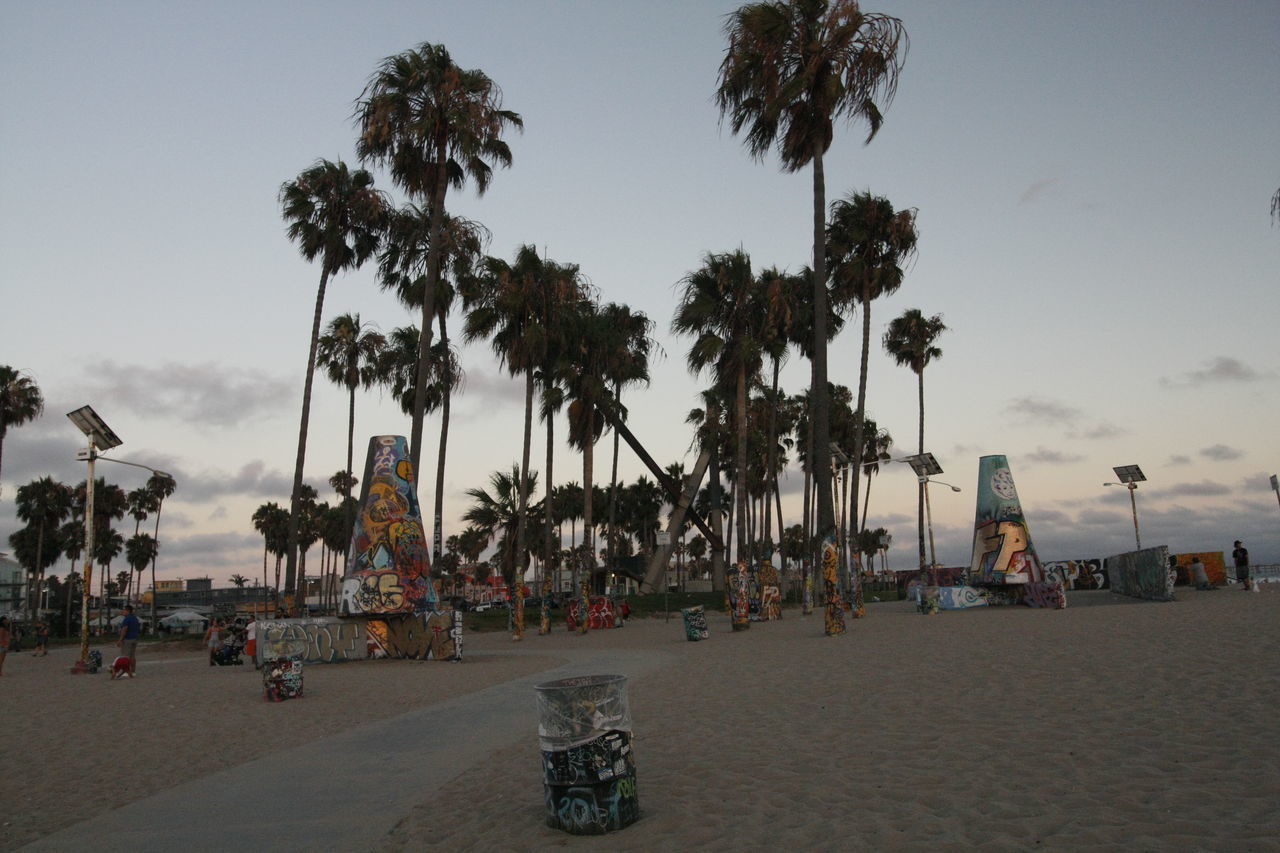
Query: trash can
point(282, 679)
point(695, 623)
point(589, 770)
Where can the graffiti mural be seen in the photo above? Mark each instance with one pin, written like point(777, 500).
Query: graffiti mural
point(834, 611)
point(1050, 594)
point(430, 636)
point(601, 613)
point(695, 623)
point(389, 569)
point(1002, 548)
point(740, 598)
point(321, 640)
point(1215, 566)
point(1142, 574)
point(544, 613)
point(1077, 574)
point(960, 597)
point(281, 679)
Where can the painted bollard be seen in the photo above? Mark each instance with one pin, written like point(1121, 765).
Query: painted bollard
point(282, 679)
point(589, 771)
point(695, 623)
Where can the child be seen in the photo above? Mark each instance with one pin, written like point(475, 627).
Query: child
point(120, 668)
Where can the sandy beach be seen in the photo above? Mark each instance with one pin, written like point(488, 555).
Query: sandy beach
point(1116, 723)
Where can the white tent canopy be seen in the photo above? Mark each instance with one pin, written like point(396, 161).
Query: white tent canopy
point(184, 619)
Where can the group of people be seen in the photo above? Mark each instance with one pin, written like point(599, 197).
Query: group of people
point(1200, 576)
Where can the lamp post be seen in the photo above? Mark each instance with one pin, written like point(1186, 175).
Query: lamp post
point(924, 466)
point(933, 556)
point(101, 437)
point(1130, 476)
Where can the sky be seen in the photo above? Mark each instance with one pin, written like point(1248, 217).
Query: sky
point(1092, 183)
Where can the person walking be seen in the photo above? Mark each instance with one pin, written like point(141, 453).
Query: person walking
point(213, 639)
point(130, 630)
point(1241, 557)
point(42, 639)
point(4, 641)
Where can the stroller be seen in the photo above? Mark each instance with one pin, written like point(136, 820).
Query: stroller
point(229, 655)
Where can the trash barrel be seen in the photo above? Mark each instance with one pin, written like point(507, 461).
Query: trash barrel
point(589, 769)
point(282, 679)
point(695, 623)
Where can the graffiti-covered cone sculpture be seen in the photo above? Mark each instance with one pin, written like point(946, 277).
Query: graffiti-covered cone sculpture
point(1003, 554)
point(390, 568)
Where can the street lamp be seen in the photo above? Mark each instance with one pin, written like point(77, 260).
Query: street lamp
point(101, 437)
point(928, 513)
point(1130, 476)
point(925, 466)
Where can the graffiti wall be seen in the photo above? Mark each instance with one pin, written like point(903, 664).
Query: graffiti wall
point(389, 568)
point(601, 613)
point(1077, 574)
point(1002, 548)
point(1142, 574)
point(1215, 566)
point(419, 636)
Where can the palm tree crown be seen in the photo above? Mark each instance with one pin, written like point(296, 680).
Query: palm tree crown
point(20, 401)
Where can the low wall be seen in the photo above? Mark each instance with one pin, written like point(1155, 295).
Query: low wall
point(330, 639)
point(1142, 574)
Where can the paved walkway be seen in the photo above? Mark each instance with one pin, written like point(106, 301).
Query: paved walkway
point(341, 793)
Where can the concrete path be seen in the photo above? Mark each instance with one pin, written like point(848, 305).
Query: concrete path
point(345, 792)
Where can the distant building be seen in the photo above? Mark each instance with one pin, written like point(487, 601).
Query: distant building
point(13, 582)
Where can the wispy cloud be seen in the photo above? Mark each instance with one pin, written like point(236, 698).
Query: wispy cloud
point(1220, 369)
point(1178, 460)
point(1221, 453)
point(1036, 190)
point(1098, 432)
point(202, 395)
point(1037, 410)
point(1053, 457)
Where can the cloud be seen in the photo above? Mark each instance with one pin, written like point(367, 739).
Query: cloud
point(1053, 457)
point(204, 395)
point(1220, 369)
point(1221, 453)
point(1098, 432)
point(1179, 459)
point(1034, 410)
point(485, 389)
point(1035, 190)
point(1204, 488)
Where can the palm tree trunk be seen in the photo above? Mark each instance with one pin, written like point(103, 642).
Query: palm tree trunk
point(613, 479)
point(295, 499)
point(860, 414)
point(920, 499)
point(155, 627)
point(517, 591)
point(438, 515)
point(820, 412)
point(588, 532)
point(549, 558)
point(349, 508)
point(434, 255)
point(740, 478)
point(770, 479)
point(866, 502)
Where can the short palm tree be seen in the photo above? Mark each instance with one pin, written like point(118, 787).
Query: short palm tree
point(495, 514)
point(910, 340)
point(20, 401)
point(336, 215)
point(139, 551)
point(268, 520)
point(433, 125)
point(791, 69)
point(349, 351)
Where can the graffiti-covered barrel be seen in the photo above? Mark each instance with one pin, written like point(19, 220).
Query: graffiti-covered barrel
point(282, 679)
point(589, 770)
point(695, 623)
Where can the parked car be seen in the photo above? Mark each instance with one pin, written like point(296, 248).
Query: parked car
point(482, 606)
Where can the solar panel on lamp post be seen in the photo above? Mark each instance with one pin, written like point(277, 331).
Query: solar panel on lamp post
point(925, 466)
point(1130, 476)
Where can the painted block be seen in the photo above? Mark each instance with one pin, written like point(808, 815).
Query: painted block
point(389, 569)
point(282, 679)
point(960, 597)
point(416, 636)
point(601, 613)
point(1142, 574)
point(695, 623)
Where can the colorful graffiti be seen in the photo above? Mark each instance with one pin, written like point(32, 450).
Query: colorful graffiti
point(741, 598)
point(1002, 548)
point(544, 614)
point(389, 569)
point(601, 613)
point(420, 636)
point(1049, 594)
point(1215, 566)
point(432, 636)
point(1077, 574)
point(281, 679)
point(1142, 574)
point(833, 614)
point(323, 640)
point(593, 809)
point(695, 623)
point(960, 597)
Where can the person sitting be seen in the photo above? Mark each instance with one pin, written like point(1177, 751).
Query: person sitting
point(1199, 576)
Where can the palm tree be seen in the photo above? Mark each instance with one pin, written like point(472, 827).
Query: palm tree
point(107, 545)
point(721, 307)
point(876, 451)
point(139, 551)
point(161, 486)
point(43, 504)
point(20, 401)
point(496, 514)
point(433, 125)
point(334, 214)
point(238, 581)
point(272, 521)
point(627, 363)
point(349, 351)
point(867, 244)
point(909, 340)
point(791, 69)
point(141, 502)
point(401, 267)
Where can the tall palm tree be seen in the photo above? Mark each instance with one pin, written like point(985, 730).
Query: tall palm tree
point(107, 545)
point(43, 504)
point(867, 244)
point(142, 502)
point(434, 125)
point(349, 352)
point(791, 69)
point(271, 520)
point(336, 215)
point(20, 401)
point(627, 363)
point(910, 340)
point(586, 352)
point(720, 306)
point(161, 486)
point(139, 551)
point(873, 453)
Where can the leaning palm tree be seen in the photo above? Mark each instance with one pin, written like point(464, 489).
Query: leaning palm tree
point(20, 401)
point(349, 351)
point(43, 504)
point(867, 244)
point(433, 125)
point(720, 306)
point(910, 340)
point(336, 215)
point(791, 69)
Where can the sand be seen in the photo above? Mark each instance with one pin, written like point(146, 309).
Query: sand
point(1115, 723)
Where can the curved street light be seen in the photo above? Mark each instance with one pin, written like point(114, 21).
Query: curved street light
point(1133, 488)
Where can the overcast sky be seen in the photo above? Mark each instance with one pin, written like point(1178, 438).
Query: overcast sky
point(1092, 182)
